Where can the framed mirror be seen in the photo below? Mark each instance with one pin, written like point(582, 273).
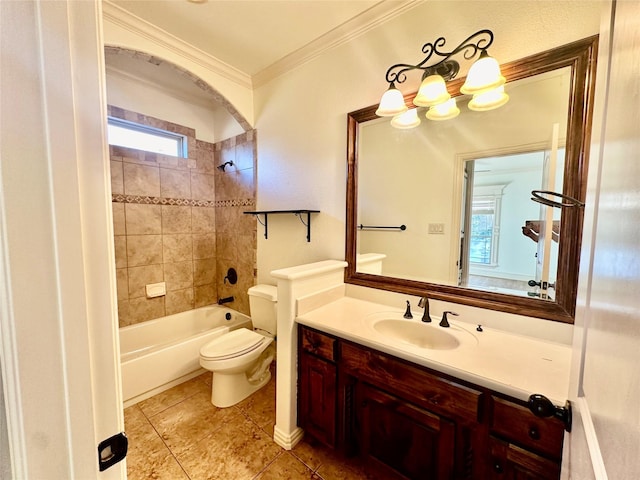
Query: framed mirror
point(445, 209)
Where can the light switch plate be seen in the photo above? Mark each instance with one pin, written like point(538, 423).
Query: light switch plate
point(436, 228)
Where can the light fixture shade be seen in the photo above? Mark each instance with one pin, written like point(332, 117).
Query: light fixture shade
point(391, 103)
point(408, 119)
point(489, 100)
point(444, 111)
point(432, 91)
point(483, 75)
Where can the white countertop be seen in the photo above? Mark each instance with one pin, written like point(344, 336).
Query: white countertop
point(512, 364)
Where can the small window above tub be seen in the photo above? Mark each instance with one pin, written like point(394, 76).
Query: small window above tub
point(142, 137)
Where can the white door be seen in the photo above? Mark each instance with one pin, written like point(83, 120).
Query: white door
point(605, 385)
point(59, 345)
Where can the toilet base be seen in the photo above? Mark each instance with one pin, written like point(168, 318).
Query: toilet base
point(229, 389)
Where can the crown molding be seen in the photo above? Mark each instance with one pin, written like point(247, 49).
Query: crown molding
point(380, 13)
point(164, 39)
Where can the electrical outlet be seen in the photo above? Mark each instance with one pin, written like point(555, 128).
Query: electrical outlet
point(436, 228)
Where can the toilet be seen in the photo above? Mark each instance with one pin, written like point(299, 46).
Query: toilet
point(240, 359)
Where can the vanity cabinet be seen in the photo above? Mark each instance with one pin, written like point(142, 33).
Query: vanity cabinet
point(410, 422)
point(317, 381)
point(522, 445)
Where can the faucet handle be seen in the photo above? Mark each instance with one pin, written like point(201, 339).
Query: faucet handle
point(407, 313)
point(445, 321)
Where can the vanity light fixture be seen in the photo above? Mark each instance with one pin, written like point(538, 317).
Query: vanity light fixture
point(484, 81)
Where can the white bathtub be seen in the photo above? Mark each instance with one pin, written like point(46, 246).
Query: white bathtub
point(159, 354)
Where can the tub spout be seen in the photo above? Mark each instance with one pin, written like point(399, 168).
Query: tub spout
point(225, 300)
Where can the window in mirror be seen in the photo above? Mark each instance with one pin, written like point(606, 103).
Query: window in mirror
point(485, 228)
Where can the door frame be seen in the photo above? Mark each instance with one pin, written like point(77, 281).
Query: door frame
point(59, 349)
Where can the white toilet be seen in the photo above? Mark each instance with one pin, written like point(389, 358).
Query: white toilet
point(240, 359)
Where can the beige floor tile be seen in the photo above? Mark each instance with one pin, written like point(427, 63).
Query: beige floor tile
point(166, 468)
point(261, 407)
point(168, 398)
point(312, 453)
point(189, 421)
point(148, 456)
point(237, 451)
point(286, 467)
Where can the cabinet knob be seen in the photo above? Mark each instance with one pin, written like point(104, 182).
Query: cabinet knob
point(497, 467)
point(534, 433)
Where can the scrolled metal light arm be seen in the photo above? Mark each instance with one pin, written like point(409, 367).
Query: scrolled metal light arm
point(447, 67)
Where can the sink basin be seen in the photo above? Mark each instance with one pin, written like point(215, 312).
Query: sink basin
point(418, 334)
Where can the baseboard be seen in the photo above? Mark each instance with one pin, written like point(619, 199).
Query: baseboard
point(287, 440)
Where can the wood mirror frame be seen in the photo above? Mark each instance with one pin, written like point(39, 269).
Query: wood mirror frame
point(581, 57)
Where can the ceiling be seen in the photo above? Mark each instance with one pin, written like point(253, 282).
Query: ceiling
point(253, 35)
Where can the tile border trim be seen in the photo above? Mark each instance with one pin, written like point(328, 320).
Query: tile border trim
point(185, 202)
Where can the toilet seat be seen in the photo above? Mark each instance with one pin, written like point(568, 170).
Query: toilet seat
point(232, 345)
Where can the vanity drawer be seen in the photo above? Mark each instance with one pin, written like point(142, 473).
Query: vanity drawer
point(318, 343)
point(518, 424)
point(416, 384)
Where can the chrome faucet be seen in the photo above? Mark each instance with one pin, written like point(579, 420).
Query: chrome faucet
point(424, 303)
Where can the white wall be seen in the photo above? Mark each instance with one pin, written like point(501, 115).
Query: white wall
point(301, 116)
point(212, 124)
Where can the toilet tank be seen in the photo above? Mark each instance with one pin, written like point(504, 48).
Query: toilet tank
point(263, 301)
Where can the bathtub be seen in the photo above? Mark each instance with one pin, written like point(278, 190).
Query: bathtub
point(161, 353)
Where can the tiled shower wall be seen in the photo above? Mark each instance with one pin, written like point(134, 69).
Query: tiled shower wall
point(181, 221)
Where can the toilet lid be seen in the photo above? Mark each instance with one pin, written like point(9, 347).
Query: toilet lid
point(232, 344)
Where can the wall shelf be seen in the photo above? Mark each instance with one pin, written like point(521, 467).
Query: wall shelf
point(297, 213)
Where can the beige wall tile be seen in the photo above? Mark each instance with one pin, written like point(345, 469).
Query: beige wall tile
point(178, 275)
point(118, 219)
point(143, 309)
point(120, 244)
point(235, 184)
point(205, 295)
point(203, 186)
point(245, 155)
point(139, 277)
point(204, 245)
point(203, 219)
point(124, 313)
point(205, 159)
point(117, 177)
point(144, 250)
point(143, 219)
point(175, 183)
point(176, 219)
point(234, 220)
point(204, 271)
point(141, 180)
point(179, 301)
point(177, 248)
point(122, 283)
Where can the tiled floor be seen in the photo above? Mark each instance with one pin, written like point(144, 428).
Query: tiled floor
point(178, 434)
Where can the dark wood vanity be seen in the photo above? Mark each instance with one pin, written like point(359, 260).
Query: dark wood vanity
point(410, 422)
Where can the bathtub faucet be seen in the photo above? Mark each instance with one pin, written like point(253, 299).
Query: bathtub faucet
point(225, 300)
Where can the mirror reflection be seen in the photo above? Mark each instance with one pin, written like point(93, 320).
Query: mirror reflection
point(463, 189)
point(444, 208)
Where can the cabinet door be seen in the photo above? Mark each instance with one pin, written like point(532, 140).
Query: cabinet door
point(402, 440)
point(317, 398)
point(510, 462)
